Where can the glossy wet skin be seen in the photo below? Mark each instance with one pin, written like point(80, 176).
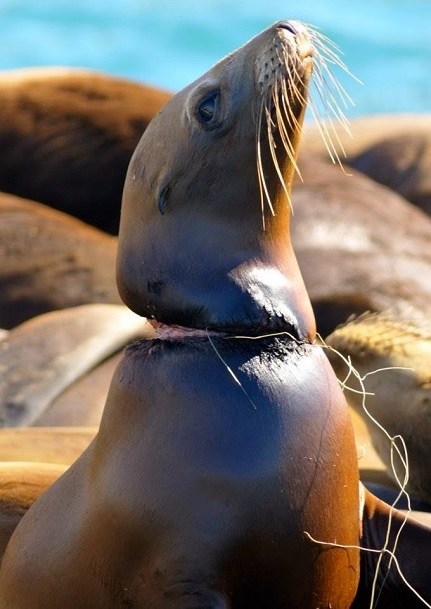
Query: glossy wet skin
point(197, 493)
point(67, 136)
point(192, 249)
point(50, 261)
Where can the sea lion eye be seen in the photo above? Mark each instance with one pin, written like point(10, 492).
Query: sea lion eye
point(206, 109)
point(163, 200)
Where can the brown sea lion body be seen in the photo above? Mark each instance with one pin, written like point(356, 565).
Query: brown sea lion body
point(43, 356)
point(400, 393)
point(62, 445)
point(403, 163)
point(225, 459)
point(50, 261)
point(199, 512)
point(360, 246)
point(21, 484)
point(67, 135)
point(394, 150)
point(31, 460)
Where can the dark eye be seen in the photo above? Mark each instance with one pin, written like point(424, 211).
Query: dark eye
point(207, 108)
point(163, 200)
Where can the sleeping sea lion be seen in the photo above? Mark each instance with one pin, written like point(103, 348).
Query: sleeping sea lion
point(62, 445)
point(67, 135)
point(41, 357)
point(394, 150)
point(400, 392)
point(50, 261)
point(360, 246)
point(21, 483)
point(225, 460)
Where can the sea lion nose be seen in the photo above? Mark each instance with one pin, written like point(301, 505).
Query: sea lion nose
point(290, 26)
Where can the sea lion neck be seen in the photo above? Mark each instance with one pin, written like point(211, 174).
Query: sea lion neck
point(204, 235)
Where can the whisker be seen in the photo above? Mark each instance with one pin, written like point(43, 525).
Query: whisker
point(287, 144)
point(259, 164)
point(284, 98)
point(344, 96)
point(261, 174)
point(325, 135)
point(275, 159)
point(327, 95)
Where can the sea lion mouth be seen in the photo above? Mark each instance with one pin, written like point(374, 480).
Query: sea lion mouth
point(173, 332)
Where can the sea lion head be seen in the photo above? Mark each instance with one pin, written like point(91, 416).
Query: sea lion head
point(204, 235)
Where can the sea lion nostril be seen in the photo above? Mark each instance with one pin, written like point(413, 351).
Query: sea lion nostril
point(287, 25)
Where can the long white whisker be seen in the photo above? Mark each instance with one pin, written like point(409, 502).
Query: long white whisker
point(284, 96)
point(275, 161)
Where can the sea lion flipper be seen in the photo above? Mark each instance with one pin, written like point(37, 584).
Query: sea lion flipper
point(43, 356)
point(401, 582)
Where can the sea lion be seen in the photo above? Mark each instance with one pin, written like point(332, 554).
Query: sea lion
point(362, 132)
point(40, 358)
point(360, 246)
point(422, 517)
point(403, 163)
point(30, 461)
point(67, 135)
point(62, 445)
point(225, 459)
point(393, 578)
point(210, 529)
point(20, 485)
point(400, 393)
point(394, 150)
point(49, 261)
point(82, 402)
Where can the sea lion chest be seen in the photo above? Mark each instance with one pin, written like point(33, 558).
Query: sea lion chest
point(214, 459)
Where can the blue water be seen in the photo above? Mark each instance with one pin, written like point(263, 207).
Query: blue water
point(386, 43)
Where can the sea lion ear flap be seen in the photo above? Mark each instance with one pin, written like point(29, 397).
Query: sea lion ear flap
point(403, 567)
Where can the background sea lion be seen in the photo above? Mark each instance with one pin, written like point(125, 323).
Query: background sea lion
point(67, 135)
point(30, 461)
point(360, 246)
point(41, 357)
point(403, 163)
point(61, 445)
point(49, 261)
point(400, 394)
point(20, 485)
point(82, 402)
point(383, 577)
point(394, 150)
